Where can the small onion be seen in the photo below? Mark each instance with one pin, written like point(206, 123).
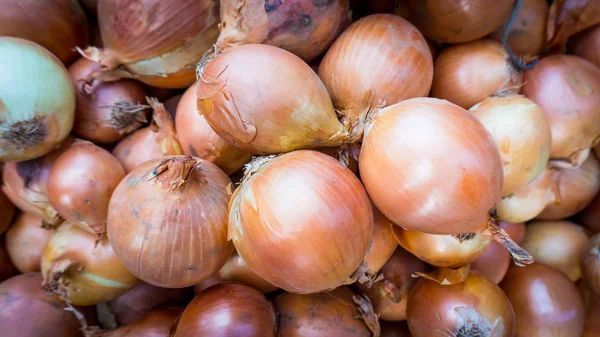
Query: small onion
point(80, 184)
point(37, 100)
point(567, 17)
point(590, 263)
point(587, 45)
point(394, 329)
point(199, 140)
point(545, 301)
point(590, 216)
point(227, 310)
point(157, 323)
point(301, 221)
point(466, 74)
point(25, 242)
point(7, 268)
point(167, 221)
point(574, 118)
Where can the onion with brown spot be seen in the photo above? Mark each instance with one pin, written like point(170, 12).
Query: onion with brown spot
point(25, 242)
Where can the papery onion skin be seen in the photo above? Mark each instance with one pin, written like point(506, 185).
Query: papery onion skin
point(274, 121)
point(157, 323)
point(38, 113)
point(545, 301)
point(431, 133)
point(575, 118)
point(466, 74)
point(587, 45)
point(199, 140)
point(174, 210)
point(590, 216)
point(383, 244)
point(7, 268)
point(25, 242)
point(307, 244)
point(227, 310)
point(522, 134)
point(590, 263)
point(455, 22)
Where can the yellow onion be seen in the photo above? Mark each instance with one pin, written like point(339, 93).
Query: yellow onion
point(587, 45)
point(25, 242)
point(301, 221)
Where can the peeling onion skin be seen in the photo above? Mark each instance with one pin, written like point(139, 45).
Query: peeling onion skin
point(590, 263)
point(545, 302)
point(587, 45)
point(157, 323)
point(227, 310)
point(25, 242)
point(301, 245)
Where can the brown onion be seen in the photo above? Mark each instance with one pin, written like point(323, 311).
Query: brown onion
point(567, 17)
point(199, 140)
point(394, 329)
point(590, 263)
point(227, 310)
point(574, 118)
point(7, 268)
point(522, 134)
point(545, 301)
point(105, 111)
point(590, 216)
point(80, 184)
point(466, 74)
point(167, 221)
point(475, 307)
point(157, 323)
point(25, 242)
point(587, 45)
point(450, 21)
point(301, 221)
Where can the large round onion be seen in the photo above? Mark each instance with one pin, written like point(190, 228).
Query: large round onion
point(466, 74)
point(522, 134)
point(167, 221)
point(587, 45)
point(37, 100)
point(590, 263)
point(157, 323)
point(25, 242)
point(199, 140)
point(566, 87)
point(301, 221)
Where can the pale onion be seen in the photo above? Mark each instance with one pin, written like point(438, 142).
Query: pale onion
point(25, 242)
point(37, 100)
point(587, 45)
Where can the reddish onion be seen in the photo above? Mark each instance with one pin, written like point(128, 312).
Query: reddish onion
point(80, 184)
point(587, 45)
point(567, 17)
point(7, 268)
point(157, 323)
point(199, 140)
point(466, 74)
point(575, 118)
point(590, 216)
point(25, 242)
point(590, 263)
point(301, 244)
point(167, 221)
point(227, 310)
point(545, 301)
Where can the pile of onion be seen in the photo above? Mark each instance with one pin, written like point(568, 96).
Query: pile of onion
point(25, 242)
point(567, 17)
point(587, 45)
point(301, 221)
point(157, 323)
point(38, 100)
point(167, 221)
point(590, 263)
point(574, 118)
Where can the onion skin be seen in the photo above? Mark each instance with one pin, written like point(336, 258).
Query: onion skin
point(545, 301)
point(282, 240)
point(155, 324)
point(455, 21)
point(590, 216)
point(25, 242)
point(575, 118)
point(174, 209)
point(7, 268)
point(590, 263)
point(587, 45)
point(227, 310)
point(199, 140)
point(466, 74)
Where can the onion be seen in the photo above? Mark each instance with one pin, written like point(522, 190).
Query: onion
point(171, 105)
point(167, 221)
point(475, 307)
point(156, 42)
point(58, 26)
point(273, 121)
point(591, 326)
point(199, 140)
point(152, 142)
point(516, 231)
point(522, 135)
point(567, 17)
point(574, 118)
point(590, 216)
point(545, 301)
point(7, 209)
point(450, 21)
point(301, 221)
point(155, 324)
point(38, 100)
point(466, 74)
point(303, 27)
point(394, 329)
point(105, 111)
point(227, 310)
point(331, 314)
point(381, 59)
point(390, 294)
point(590, 263)
point(25, 242)
point(7, 268)
point(587, 45)
point(80, 184)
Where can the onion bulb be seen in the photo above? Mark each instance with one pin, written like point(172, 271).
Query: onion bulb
point(590, 216)
point(7, 268)
point(574, 118)
point(80, 184)
point(302, 221)
point(227, 310)
point(25, 242)
point(466, 74)
point(167, 221)
point(545, 301)
point(567, 17)
point(37, 100)
point(199, 140)
point(590, 263)
point(157, 323)
point(587, 45)
point(522, 135)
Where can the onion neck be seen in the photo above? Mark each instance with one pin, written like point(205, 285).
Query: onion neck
point(367, 313)
point(175, 171)
point(520, 256)
point(55, 281)
point(162, 124)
